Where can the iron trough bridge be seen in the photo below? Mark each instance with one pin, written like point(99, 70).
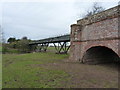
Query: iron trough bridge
point(60, 43)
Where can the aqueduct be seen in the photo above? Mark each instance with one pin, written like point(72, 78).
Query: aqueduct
point(93, 39)
point(96, 37)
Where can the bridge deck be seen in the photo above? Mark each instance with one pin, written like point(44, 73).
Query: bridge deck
point(64, 38)
point(61, 47)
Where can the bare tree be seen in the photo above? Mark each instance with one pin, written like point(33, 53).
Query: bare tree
point(2, 38)
point(96, 8)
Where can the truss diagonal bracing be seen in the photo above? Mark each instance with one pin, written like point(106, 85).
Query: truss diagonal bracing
point(61, 47)
point(59, 42)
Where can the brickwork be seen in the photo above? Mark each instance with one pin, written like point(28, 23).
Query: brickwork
point(101, 29)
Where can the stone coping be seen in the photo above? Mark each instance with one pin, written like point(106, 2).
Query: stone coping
point(107, 14)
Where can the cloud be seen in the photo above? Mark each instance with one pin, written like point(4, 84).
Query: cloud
point(38, 20)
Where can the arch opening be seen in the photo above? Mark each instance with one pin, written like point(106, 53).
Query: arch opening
point(100, 54)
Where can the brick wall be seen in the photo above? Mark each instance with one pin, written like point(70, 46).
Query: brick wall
point(97, 30)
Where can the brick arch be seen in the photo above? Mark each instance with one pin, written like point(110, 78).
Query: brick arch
point(113, 45)
point(100, 29)
point(105, 54)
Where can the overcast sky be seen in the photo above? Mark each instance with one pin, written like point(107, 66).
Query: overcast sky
point(38, 20)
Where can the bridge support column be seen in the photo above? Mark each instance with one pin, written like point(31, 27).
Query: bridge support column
point(61, 48)
point(33, 47)
point(42, 47)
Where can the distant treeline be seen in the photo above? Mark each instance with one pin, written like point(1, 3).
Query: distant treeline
point(14, 45)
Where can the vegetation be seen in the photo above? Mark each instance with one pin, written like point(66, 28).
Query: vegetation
point(16, 45)
point(4, 48)
point(0, 67)
point(10, 40)
point(25, 71)
point(96, 8)
point(0, 48)
point(23, 46)
point(50, 70)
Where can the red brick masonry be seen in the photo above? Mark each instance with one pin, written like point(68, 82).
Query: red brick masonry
point(100, 29)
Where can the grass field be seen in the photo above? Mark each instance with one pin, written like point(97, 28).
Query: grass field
point(49, 70)
point(21, 71)
point(0, 70)
point(0, 66)
point(0, 49)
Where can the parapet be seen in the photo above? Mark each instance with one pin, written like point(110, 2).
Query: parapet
point(107, 14)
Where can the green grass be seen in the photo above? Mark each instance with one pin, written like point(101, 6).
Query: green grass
point(0, 66)
point(11, 51)
point(24, 71)
point(0, 70)
point(0, 48)
point(51, 49)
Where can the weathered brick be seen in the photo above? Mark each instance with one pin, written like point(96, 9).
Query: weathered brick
point(101, 29)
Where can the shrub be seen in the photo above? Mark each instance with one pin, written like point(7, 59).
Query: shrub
point(23, 46)
point(4, 48)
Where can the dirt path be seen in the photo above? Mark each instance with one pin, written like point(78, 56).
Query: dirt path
point(88, 76)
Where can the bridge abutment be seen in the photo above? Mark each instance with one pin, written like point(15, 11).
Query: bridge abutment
point(99, 30)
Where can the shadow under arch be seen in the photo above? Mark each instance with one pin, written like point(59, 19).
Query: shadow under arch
point(100, 54)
